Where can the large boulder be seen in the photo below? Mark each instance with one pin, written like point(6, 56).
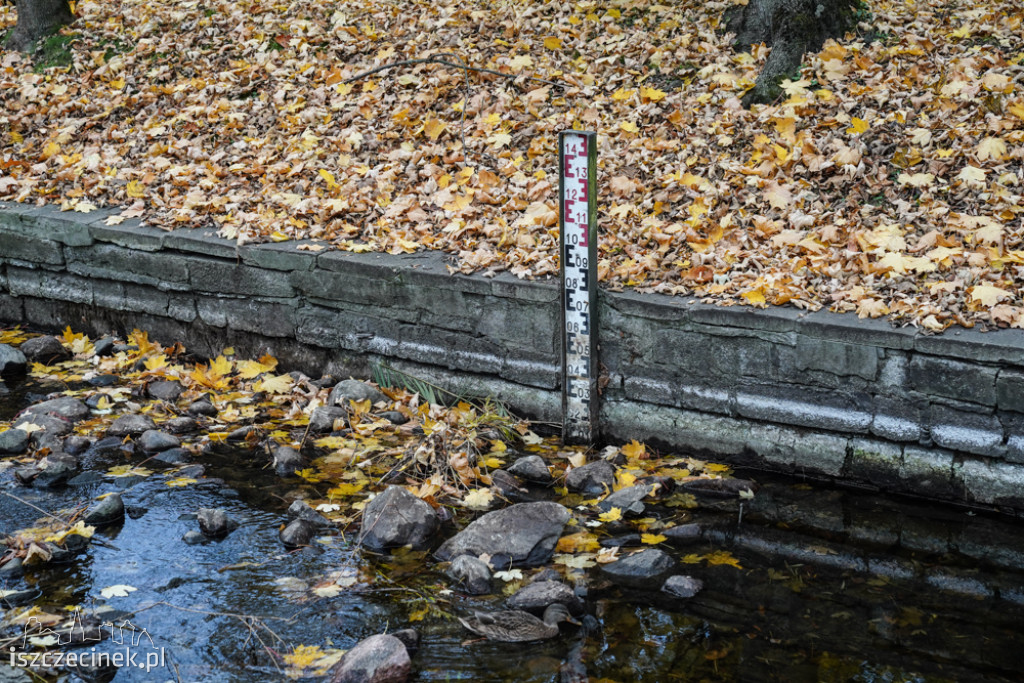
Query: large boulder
point(396, 518)
point(377, 659)
point(526, 533)
point(646, 569)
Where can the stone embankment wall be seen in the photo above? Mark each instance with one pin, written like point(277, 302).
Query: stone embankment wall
point(811, 393)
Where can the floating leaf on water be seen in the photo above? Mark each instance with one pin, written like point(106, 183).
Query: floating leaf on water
point(117, 591)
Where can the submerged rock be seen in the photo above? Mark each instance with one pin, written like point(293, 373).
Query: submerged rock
point(532, 468)
point(12, 361)
point(645, 569)
point(591, 479)
point(215, 523)
point(52, 471)
point(133, 425)
point(683, 534)
point(377, 659)
point(287, 460)
point(108, 511)
point(354, 390)
point(155, 441)
point(537, 595)
point(719, 488)
point(526, 533)
point(471, 573)
point(396, 518)
point(682, 586)
point(45, 350)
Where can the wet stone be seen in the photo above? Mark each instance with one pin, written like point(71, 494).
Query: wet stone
point(532, 468)
point(193, 537)
point(682, 534)
point(104, 346)
point(165, 390)
point(202, 407)
point(354, 390)
point(86, 479)
point(131, 425)
point(214, 522)
point(470, 574)
point(592, 479)
point(298, 532)
point(12, 361)
point(76, 445)
point(108, 511)
point(394, 417)
point(410, 637)
point(45, 350)
point(537, 595)
point(155, 441)
point(300, 509)
point(52, 426)
point(12, 568)
point(66, 407)
point(646, 569)
point(13, 442)
point(507, 485)
point(377, 659)
point(18, 598)
point(525, 532)
point(180, 425)
point(396, 518)
point(287, 460)
point(241, 434)
point(174, 456)
point(103, 380)
point(628, 499)
point(323, 419)
point(622, 541)
point(682, 586)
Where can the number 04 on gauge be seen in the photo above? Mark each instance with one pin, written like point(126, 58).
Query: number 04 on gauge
point(577, 195)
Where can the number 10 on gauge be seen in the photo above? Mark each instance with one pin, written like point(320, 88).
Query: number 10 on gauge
point(577, 195)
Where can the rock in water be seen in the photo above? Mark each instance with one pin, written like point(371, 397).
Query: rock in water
point(133, 424)
point(300, 509)
point(108, 511)
point(324, 417)
point(532, 468)
point(395, 518)
point(629, 499)
point(64, 407)
point(526, 533)
point(45, 350)
point(682, 586)
point(13, 442)
point(155, 441)
point(354, 390)
point(214, 522)
point(12, 361)
point(297, 533)
point(591, 479)
point(645, 569)
point(472, 574)
point(536, 596)
point(286, 461)
point(378, 659)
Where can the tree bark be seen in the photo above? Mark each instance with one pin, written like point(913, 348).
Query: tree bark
point(791, 28)
point(38, 19)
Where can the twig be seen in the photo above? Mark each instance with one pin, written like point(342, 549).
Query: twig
point(92, 539)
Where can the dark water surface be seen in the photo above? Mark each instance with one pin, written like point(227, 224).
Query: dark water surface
point(834, 586)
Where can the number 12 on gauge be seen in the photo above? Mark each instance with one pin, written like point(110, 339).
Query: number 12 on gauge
point(577, 200)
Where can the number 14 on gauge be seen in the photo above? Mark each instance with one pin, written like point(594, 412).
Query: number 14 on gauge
point(577, 194)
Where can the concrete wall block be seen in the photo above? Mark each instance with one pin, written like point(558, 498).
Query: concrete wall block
point(953, 379)
point(182, 308)
point(280, 255)
point(525, 326)
point(1010, 390)
point(11, 309)
point(804, 407)
point(30, 249)
point(507, 286)
point(677, 393)
point(271, 319)
point(966, 432)
point(447, 309)
point(693, 354)
point(875, 462)
point(535, 371)
point(837, 358)
point(992, 483)
point(339, 289)
point(48, 285)
point(898, 419)
point(50, 223)
point(892, 376)
point(928, 472)
point(220, 277)
point(202, 241)
point(328, 328)
point(111, 262)
point(131, 234)
point(818, 453)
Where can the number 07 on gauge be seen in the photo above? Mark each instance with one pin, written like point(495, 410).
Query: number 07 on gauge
point(577, 197)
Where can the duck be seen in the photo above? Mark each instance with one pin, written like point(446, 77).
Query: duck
point(517, 626)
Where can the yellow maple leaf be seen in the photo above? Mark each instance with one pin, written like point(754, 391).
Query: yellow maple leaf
point(634, 450)
point(988, 295)
point(613, 515)
point(51, 149)
point(652, 94)
point(328, 178)
point(520, 62)
point(220, 366)
point(433, 128)
point(478, 499)
point(281, 384)
point(991, 148)
point(552, 43)
point(180, 481)
point(916, 179)
point(723, 557)
point(653, 539)
point(755, 298)
point(581, 542)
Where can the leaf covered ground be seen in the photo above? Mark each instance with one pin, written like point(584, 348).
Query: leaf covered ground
point(887, 180)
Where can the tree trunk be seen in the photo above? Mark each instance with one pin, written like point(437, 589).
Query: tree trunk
point(38, 19)
point(791, 28)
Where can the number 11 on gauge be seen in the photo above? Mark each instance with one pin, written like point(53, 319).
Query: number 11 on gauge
point(577, 195)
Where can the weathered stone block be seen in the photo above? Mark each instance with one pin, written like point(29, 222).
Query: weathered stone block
point(30, 249)
point(223, 277)
point(803, 407)
point(272, 319)
point(967, 432)
point(837, 358)
point(898, 419)
point(131, 234)
point(962, 381)
point(280, 255)
point(1010, 390)
point(111, 262)
point(875, 462)
point(817, 453)
point(721, 357)
point(48, 285)
point(676, 393)
point(202, 241)
point(48, 222)
point(927, 472)
point(992, 483)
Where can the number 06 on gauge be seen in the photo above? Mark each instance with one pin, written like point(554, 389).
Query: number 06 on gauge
point(577, 201)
